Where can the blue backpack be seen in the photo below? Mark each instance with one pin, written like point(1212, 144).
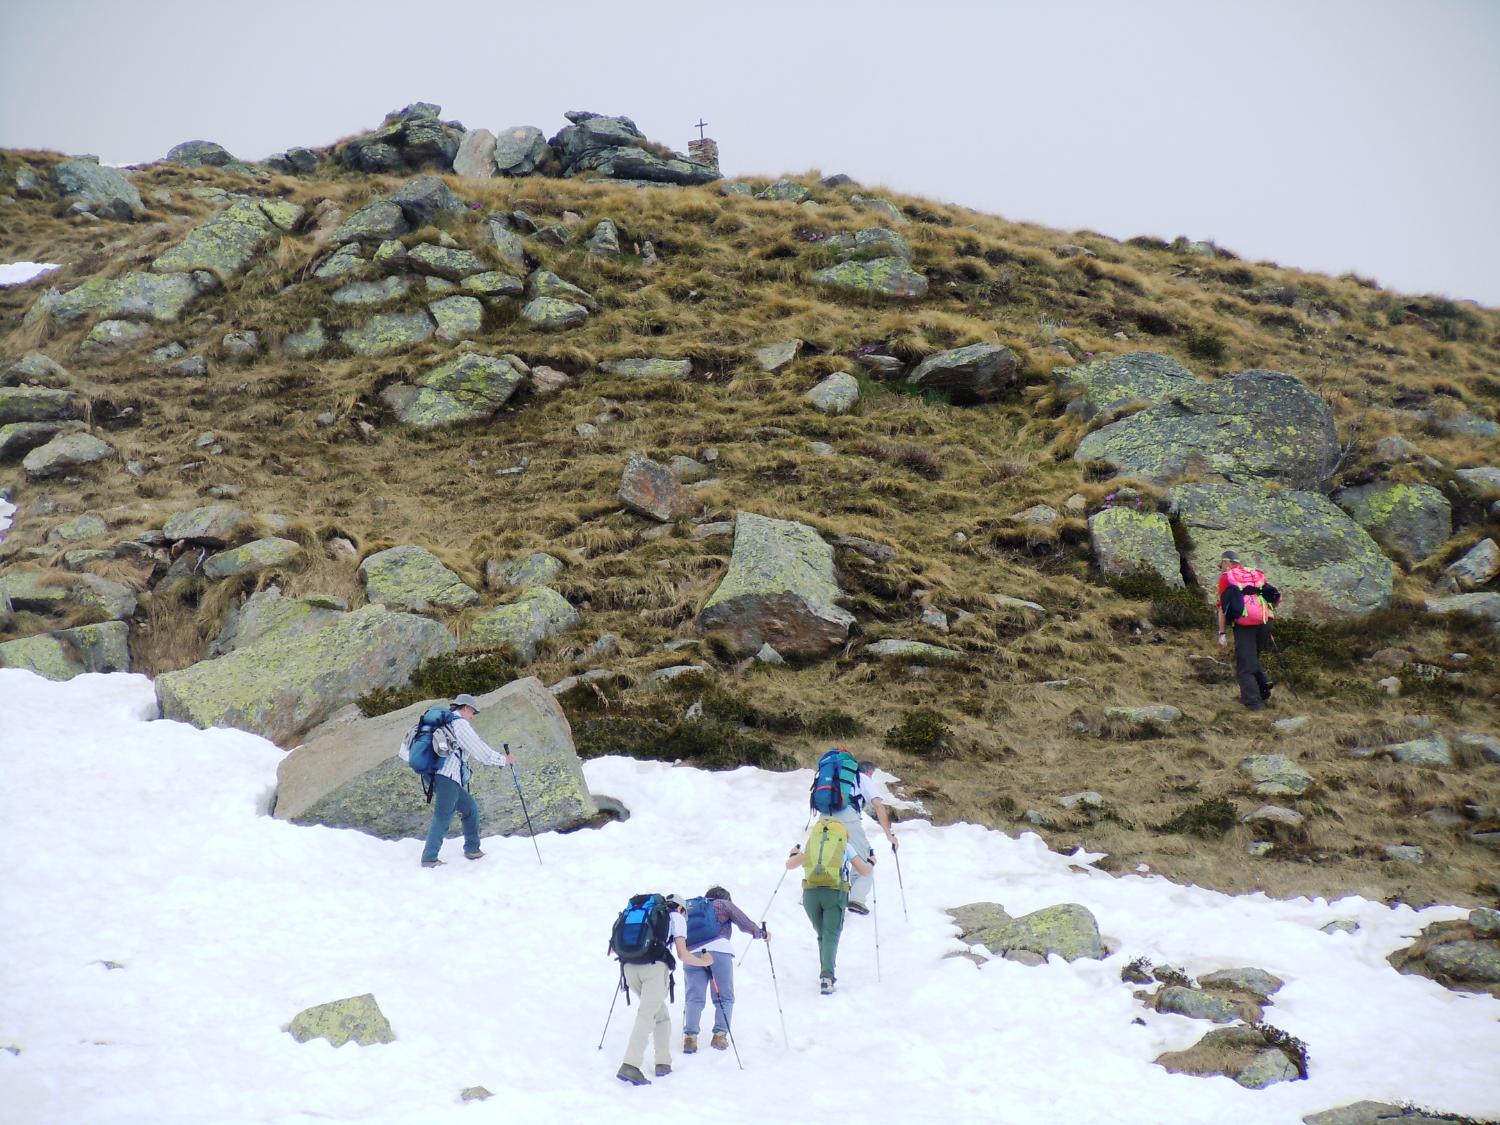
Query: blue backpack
point(417, 747)
point(702, 922)
point(833, 785)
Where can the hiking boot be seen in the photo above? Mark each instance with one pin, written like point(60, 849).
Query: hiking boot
point(633, 1075)
point(859, 908)
point(825, 986)
point(432, 863)
point(473, 855)
point(720, 1041)
point(689, 1044)
point(1265, 693)
point(663, 1069)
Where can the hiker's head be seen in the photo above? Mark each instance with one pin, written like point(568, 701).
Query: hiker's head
point(867, 768)
point(676, 902)
point(1228, 560)
point(718, 892)
point(460, 702)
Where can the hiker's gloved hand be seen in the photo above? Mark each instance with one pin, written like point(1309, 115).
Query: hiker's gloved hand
point(1222, 640)
point(510, 760)
point(891, 837)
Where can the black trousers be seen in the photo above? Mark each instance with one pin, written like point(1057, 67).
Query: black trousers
point(1249, 640)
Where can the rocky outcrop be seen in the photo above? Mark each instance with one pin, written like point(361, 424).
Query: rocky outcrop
point(1276, 775)
point(389, 332)
point(614, 147)
point(412, 578)
point(1462, 955)
point(90, 187)
point(780, 589)
point(1479, 605)
point(350, 778)
point(284, 685)
point(470, 387)
point(267, 613)
point(521, 150)
point(879, 277)
point(1409, 520)
point(1323, 563)
point(1255, 426)
point(413, 138)
point(251, 558)
point(225, 245)
point(201, 154)
point(1126, 541)
point(525, 624)
point(161, 298)
point(1105, 385)
point(977, 373)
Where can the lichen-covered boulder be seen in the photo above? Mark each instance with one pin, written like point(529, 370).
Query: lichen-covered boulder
point(510, 247)
point(494, 283)
point(1241, 1053)
point(650, 489)
point(1254, 426)
point(785, 191)
point(162, 298)
point(605, 241)
point(648, 367)
point(1478, 482)
point(200, 154)
point(535, 569)
point(225, 245)
point(1462, 955)
point(411, 137)
point(457, 317)
point(37, 368)
point(91, 187)
point(19, 438)
point(1247, 979)
point(356, 1019)
point(1276, 775)
point(376, 221)
point(545, 283)
point(349, 776)
point(1105, 385)
point(1127, 541)
point(356, 294)
point(425, 200)
point(284, 685)
point(552, 314)
point(411, 577)
point(1411, 520)
point(1323, 563)
point(53, 593)
point(780, 589)
point(66, 453)
point(872, 242)
point(388, 332)
point(525, 624)
point(267, 613)
point(894, 648)
point(40, 404)
point(345, 260)
point(878, 277)
point(441, 261)
point(976, 373)
point(1199, 1005)
point(467, 388)
point(520, 150)
point(1067, 930)
point(71, 652)
point(836, 394)
point(883, 207)
point(210, 525)
point(253, 557)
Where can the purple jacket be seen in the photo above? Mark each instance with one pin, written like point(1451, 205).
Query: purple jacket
point(730, 914)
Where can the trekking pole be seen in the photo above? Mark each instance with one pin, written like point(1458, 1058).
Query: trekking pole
point(775, 984)
point(723, 1015)
point(763, 913)
point(1286, 674)
point(875, 903)
point(524, 812)
point(900, 883)
point(611, 1015)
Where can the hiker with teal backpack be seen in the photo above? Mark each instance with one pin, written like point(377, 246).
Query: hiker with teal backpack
point(645, 935)
point(845, 788)
point(710, 922)
point(439, 748)
point(827, 861)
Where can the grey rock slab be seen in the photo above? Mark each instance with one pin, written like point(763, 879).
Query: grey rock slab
point(79, 528)
point(469, 387)
point(1479, 605)
point(65, 453)
point(884, 207)
point(345, 260)
point(535, 569)
point(161, 298)
point(40, 404)
point(267, 613)
point(475, 158)
point(835, 395)
point(253, 557)
point(1412, 519)
point(427, 199)
point(376, 221)
point(1256, 982)
point(1478, 482)
point(872, 242)
point(38, 368)
point(441, 261)
point(520, 150)
point(777, 357)
point(976, 373)
point(1479, 566)
point(892, 278)
point(1103, 386)
point(1240, 1053)
point(19, 438)
point(306, 344)
point(225, 245)
point(101, 191)
point(524, 625)
point(211, 525)
point(493, 283)
point(1087, 799)
point(1195, 1004)
point(66, 653)
point(409, 577)
point(388, 332)
point(1126, 541)
point(1159, 714)
point(1487, 746)
point(648, 367)
point(784, 191)
point(357, 294)
point(1274, 815)
point(1276, 775)
point(544, 283)
point(458, 317)
point(56, 593)
point(552, 314)
point(651, 489)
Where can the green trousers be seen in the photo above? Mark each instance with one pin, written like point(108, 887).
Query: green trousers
point(825, 910)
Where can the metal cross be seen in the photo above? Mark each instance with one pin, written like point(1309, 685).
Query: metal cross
point(700, 126)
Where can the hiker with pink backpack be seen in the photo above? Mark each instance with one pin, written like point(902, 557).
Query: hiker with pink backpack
point(1247, 604)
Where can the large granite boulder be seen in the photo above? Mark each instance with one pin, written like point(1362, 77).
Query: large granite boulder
point(268, 613)
point(835, 395)
point(210, 525)
point(535, 569)
point(377, 221)
point(427, 199)
point(441, 261)
point(1478, 482)
point(1409, 520)
point(872, 242)
point(1477, 567)
point(977, 373)
point(283, 685)
point(1323, 563)
point(525, 624)
point(1485, 604)
point(553, 314)
point(349, 777)
point(545, 283)
point(89, 186)
point(225, 245)
point(1067, 930)
point(162, 298)
point(411, 577)
point(1254, 426)
point(66, 453)
point(780, 589)
point(1103, 386)
point(40, 404)
point(459, 317)
point(650, 489)
point(252, 558)
point(521, 150)
point(878, 277)
point(1127, 541)
point(71, 652)
point(389, 332)
point(413, 137)
point(470, 387)
point(201, 154)
point(55, 594)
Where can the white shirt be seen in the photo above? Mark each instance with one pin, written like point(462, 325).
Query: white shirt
point(464, 742)
point(867, 789)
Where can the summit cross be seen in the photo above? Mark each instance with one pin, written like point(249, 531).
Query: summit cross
point(700, 125)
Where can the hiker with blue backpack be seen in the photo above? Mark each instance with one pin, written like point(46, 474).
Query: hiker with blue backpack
point(844, 788)
point(644, 937)
point(828, 862)
point(439, 748)
point(710, 922)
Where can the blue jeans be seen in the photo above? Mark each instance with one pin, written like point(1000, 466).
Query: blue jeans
point(448, 797)
point(698, 989)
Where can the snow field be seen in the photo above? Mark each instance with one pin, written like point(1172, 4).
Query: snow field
point(145, 843)
point(18, 273)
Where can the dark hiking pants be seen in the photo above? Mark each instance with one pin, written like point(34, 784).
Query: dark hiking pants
point(1249, 640)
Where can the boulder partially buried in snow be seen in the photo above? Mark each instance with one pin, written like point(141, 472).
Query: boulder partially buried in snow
point(1241, 1053)
point(1323, 563)
point(1255, 426)
point(1067, 930)
point(284, 685)
point(350, 777)
point(71, 652)
point(1462, 955)
point(780, 589)
point(357, 1019)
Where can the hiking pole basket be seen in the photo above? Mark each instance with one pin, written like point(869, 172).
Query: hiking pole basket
point(775, 984)
point(524, 812)
point(719, 1003)
point(900, 882)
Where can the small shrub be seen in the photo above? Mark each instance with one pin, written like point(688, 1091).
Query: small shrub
point(1210, 818)
point(833, 724)
point(919, 731)
point(443, 677)
point(1171, 607)
point(643, 732)
point(1207, 344)
point(1287, 1043)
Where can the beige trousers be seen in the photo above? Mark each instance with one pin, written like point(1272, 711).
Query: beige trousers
point(652, 1017)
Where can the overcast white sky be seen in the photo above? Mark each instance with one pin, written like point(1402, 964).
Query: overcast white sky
point(1324, 134)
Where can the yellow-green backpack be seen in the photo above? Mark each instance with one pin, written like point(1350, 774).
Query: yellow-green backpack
point(823, 857)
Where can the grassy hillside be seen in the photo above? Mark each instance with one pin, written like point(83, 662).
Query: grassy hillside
point(1020, 723)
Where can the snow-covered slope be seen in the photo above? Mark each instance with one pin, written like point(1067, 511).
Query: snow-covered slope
point(146, 844)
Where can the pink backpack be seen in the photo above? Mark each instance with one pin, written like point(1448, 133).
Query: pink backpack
point(1257, 610)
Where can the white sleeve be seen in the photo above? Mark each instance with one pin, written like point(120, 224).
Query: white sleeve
point(468, 739)
point(677, 926)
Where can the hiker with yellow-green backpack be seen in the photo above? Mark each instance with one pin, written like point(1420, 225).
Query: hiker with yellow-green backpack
point(826, 861)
